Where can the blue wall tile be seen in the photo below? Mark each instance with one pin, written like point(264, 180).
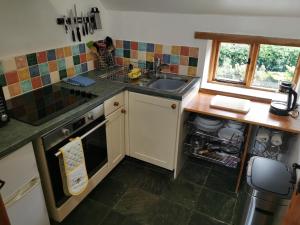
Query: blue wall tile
point(51, 55)
point(46, 79)
point(82, 48)
point(84, 67)
point(166, 58)
point(34, 71)
point(150, 47)
point(126, 44)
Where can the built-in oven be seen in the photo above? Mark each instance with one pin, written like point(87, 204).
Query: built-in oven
point(92, 130)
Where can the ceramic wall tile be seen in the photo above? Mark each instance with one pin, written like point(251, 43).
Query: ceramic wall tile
point(44, 68)
point(31, 59)
point(14, 89)
point(51, 55)
point(67, 51)
point(26, 85)
point(181, 59)
point(60, 53)
point(46, 79)
point(69, 62)
point(11, 77)
point(71, 71)
point(9, 65)
point(61, 64)
point(34, 71)
point(2, 80)
point(23, 74)
point(36, 82)
point(41, 57)
point(52, 66)
point(21, 61)
point(75, 50)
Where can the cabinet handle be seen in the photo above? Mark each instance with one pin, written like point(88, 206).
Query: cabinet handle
point(123, 111)
point(22, 191)
point(116, 103)
point(173, 106)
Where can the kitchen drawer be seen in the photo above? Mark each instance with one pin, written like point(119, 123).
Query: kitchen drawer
point(16, 169)
point(113, 103)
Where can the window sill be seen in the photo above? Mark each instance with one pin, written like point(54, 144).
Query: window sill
point(246, 93)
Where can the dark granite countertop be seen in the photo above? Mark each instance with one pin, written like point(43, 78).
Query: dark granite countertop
point(16, 134)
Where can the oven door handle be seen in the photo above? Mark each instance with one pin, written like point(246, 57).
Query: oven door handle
point(87, 133)
point(95, 128)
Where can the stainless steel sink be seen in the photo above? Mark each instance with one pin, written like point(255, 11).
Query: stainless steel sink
point(168, 84)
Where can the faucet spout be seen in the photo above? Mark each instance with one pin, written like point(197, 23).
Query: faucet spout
point(158, 66)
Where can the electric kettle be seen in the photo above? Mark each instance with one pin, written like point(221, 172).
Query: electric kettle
point(282, 108)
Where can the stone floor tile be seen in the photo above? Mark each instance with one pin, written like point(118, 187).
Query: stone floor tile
point(216, 205)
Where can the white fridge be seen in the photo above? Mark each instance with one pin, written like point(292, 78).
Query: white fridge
point(22, 193)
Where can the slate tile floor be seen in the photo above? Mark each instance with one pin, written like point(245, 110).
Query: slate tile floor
point(136, 193)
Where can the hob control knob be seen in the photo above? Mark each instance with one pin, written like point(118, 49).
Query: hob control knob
point(65, 131)
point(90, 116)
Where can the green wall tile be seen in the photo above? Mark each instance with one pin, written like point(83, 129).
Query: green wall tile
point(31, 59)
point(44, 68)
point(76, 59)
point(26, 86)
point(78, 69)
point(61, 63)
point(193, 61)
point(62, 74)
point(2, 80)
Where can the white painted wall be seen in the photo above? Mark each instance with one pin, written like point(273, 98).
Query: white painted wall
point(179, 29)
point(30, 25)
point(168, 28)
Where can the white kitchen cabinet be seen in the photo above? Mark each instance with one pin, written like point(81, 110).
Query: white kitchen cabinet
point(153, 124)
point(115, 135)
point(22, 193)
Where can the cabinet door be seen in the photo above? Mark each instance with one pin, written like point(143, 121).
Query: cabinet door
point(152, 129)
point(115, 135)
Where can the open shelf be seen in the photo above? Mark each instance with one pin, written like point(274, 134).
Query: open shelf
point(223, 159)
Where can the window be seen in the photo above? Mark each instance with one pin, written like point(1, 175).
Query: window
point(253, 64)
point(232, 62)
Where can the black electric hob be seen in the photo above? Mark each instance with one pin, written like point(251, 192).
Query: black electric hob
point(44, 104)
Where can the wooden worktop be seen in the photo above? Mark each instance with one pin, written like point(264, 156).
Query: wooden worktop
point(258, 114)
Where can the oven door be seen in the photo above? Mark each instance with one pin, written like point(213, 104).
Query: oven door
point(93, 138)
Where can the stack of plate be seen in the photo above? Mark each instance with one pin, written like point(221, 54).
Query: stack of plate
point(207, 124)
point(234, 124)
point(231, 134)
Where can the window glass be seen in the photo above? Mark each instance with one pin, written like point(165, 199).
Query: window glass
point(232, 62)
point(274, 64)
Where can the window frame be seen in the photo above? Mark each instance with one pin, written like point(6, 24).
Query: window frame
point(250, 70)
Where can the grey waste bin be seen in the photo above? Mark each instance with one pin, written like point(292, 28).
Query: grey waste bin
point(269, 192)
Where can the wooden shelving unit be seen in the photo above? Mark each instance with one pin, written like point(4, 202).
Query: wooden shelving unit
point(257, 116)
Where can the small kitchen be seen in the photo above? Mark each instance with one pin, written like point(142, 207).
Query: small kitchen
point(126, 112)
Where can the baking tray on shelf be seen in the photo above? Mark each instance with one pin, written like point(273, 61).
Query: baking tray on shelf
point(224, 159)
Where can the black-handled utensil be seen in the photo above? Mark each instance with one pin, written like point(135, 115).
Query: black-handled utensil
point(72, 26)
point(86, 26)
point(76, 23)
point(82, 24)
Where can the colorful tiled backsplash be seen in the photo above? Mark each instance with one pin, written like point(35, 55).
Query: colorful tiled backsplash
point(25, 73)
point(181, 59)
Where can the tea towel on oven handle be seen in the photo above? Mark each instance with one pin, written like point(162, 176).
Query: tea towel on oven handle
point(72, 167)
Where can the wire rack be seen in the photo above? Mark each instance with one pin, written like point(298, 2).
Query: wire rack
point(210, 147)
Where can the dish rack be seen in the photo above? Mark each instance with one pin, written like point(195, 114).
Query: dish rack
point(210, 147)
